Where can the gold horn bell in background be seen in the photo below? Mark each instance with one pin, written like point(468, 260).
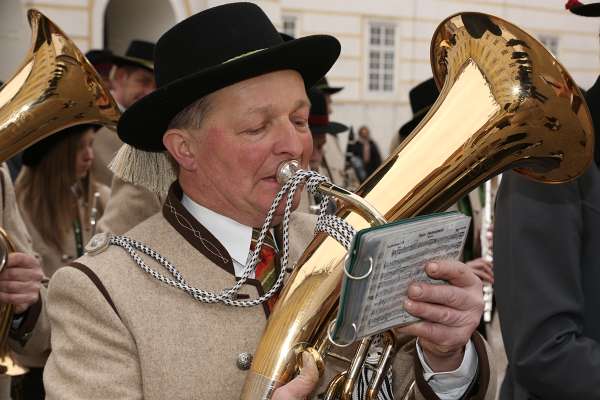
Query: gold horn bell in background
point(505, 103)
point(55, 88)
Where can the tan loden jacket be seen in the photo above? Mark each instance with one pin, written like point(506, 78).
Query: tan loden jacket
point(106, 145)
point(32, 338)
point(118, 333)
point(54, 258)
point(128, 206)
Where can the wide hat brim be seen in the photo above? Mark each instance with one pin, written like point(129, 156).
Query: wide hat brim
point(145, 122)
point(332, 128)
point(587, 10)
point(332, 90)
point(410, 126)
point(133, 61)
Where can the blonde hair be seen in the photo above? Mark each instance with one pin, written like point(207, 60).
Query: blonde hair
point(48, 191)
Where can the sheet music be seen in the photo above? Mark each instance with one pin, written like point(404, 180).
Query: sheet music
point(399, 255)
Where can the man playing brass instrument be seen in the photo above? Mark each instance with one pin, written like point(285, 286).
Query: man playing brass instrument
point(229, 110)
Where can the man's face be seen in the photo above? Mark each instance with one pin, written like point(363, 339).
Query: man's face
point(250, 129)
point(131, 84)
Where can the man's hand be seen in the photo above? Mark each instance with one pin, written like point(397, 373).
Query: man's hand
point(482, 268)
point(301, 386)
point(21, 281)
point(450, 313)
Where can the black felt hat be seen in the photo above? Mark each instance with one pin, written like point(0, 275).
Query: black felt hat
point(323, 85)
point(319, 117)
point(585, 10)
point(34, 154)
point(102, 60)
point(214, 49)
point(99, 56)
point(421, 98)
point(139, 54)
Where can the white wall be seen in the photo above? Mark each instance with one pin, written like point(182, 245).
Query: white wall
point(137, 19)
point(14, 37)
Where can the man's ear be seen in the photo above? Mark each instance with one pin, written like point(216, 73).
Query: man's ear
point(180, 144)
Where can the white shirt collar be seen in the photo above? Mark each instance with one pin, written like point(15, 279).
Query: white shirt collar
point(234, 236)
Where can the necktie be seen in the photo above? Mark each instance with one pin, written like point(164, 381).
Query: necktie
point(267, 268)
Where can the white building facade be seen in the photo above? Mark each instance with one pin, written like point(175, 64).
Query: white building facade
point(385, 43)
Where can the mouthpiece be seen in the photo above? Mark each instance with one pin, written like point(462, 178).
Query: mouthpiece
point(286, 170)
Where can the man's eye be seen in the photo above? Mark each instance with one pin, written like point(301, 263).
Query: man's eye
point(301, 123)
point(256, 131)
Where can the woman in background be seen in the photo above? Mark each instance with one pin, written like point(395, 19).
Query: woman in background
point(59, 201)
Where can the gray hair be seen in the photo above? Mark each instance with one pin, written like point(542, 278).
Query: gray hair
point(192, 116)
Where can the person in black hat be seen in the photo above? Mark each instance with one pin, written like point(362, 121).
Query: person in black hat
point(131, 78)
point(102, 60)
point(337, 169)
point(230, 107)
point(321, 128)
point(328, 91)
point(421, 98)
point(547, 271)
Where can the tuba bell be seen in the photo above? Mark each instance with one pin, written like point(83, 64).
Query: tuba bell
point(505, 103)
point(54, 88)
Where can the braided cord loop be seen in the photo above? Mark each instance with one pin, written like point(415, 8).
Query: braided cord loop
point(332, 225)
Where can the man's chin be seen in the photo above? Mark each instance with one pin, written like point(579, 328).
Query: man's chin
point(280, 211)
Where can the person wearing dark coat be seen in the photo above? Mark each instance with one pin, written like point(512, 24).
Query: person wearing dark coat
point(547, 273)
point(367, 150)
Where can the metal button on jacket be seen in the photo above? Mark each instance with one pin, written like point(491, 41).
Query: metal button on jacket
point(244, 361)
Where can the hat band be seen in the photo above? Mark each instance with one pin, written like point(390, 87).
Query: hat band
point(572, 3)
point(243, 55)
point(318, 120)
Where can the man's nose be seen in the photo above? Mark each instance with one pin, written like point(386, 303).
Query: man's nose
point(289, 141)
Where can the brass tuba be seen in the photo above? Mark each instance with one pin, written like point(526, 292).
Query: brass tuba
point(55, 88)
point(505, 103)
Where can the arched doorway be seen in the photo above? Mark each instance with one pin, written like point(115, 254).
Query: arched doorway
point(14, 37)
point(125, 20)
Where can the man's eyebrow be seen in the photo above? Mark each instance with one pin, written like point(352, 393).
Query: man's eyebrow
point(269, 108)
point(260, 109)
point(302, 103)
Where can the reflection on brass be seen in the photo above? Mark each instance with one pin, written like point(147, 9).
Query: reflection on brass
point(505, 103)
point(55, 87)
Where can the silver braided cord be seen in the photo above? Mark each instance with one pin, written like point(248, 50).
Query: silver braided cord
point(334, 226)
point(373, 359)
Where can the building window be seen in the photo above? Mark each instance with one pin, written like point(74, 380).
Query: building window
point(290, 25)
point(550, 42)
point(381, 57)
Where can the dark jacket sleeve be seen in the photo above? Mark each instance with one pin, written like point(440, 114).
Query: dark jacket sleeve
point(541, 252)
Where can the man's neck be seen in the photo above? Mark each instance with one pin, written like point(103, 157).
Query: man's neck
point(235, 237)
point(122, 108)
